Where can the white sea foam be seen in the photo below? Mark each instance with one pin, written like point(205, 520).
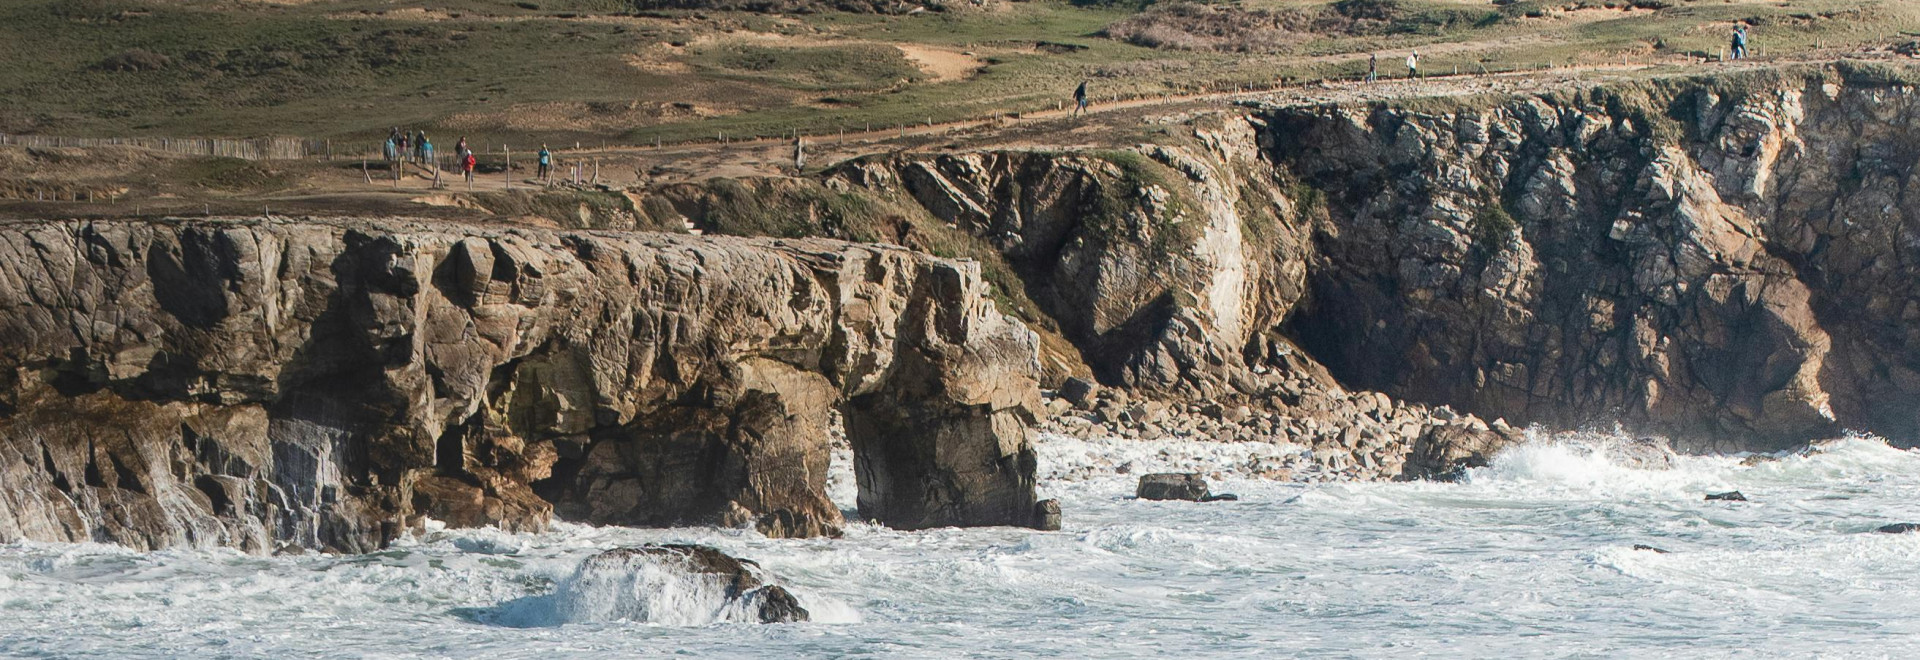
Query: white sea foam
point(640, 588)
point(1531, 556)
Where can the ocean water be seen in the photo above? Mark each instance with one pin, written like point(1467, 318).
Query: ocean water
point(1531, 557)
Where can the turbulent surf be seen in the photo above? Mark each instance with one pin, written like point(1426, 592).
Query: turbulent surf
point(1532, 556)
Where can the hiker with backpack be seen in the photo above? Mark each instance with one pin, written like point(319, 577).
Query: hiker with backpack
point(1080, 98)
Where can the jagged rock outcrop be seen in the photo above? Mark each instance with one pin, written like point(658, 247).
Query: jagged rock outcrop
point(1443, 452)
point(1162, 263)
point(668, 584)
point(327, 383)
point(646, 584)
point(1715, 259)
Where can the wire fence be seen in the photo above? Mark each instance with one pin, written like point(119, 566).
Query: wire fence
point(273, 148)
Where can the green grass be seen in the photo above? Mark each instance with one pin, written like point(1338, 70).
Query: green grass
point(348, 69)
point(1175, 230)
point(1493, 227)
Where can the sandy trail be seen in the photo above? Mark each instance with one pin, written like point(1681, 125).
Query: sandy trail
point(772, 156)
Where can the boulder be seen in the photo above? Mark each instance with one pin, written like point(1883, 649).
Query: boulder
point(1172, 486)
point(1079, 391)
point(1445, 451)
point(1046, 515)
point(675, 584)
point(1729, 496)
point(1648, 548)
point(1899, 528)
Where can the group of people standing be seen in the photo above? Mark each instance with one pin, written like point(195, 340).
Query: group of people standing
point(408, 147)
point(414, 147)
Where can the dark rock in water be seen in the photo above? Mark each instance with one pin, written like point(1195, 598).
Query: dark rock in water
point(739, 580)
point(1223, 497)
point(1729, 496)
point(1444, 452)
point(1758, 459)
point(1172, 486)
point(1642, 546)
point(777, 605)
point(1899, 528)
point(1046, 515)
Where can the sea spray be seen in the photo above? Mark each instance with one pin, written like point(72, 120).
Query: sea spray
point(671, 585)
point(1530, 557)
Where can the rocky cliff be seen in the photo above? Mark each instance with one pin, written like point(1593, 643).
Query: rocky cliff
point(1721, 259)
point(327, 384)
point(1725, 260)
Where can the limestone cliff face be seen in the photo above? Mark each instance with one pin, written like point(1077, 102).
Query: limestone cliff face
point(326, 384)
point(1714, 264)
point(1160, 262)
point(1721, 260)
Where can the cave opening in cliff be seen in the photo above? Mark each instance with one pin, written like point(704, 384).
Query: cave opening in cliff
point(1333, 324)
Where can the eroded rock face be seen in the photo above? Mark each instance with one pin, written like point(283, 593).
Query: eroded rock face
point(1160, 263)
point(325, 384)
point(1718, 266)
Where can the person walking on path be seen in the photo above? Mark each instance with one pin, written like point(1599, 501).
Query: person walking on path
point(1080, 98)
point(1740, 42)
point(463, 159)
point(546, 163)
point(420, 146)
point(1373, 67)
point(1413, 65)
point(406, 152)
